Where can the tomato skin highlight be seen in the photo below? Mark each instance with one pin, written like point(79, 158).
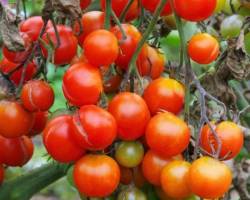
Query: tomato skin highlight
point(101, 175)
point(151, 6)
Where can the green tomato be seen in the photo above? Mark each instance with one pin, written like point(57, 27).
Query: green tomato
point(220, 5)
point(132, 194)
point(247, 43)
point(129, 154)
point(228, 8)
point(231, 26)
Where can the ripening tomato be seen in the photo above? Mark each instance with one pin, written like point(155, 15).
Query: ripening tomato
point(101, 48)
point(40, 120)
point(6, 66)
point(15, 151)
point(15, 121)
point(209, 178)
point(94, 128)
point(84, 3)
point(127, 45)
point(203, 48)
point(164, 94)
point(195, 10)
point(174, 177)
point(37, 95)
point(131, 193)
point(167, 134)
point(220, 5)
point(230, 135)
point(151, 6)
point(58, 141)
point(126, 175)
point(131, 114)
point(119, 5)
point(150, 62)
point(82, 84)
point(153, 164)
point(96, 175)
point(1, 174)
point(68, 44)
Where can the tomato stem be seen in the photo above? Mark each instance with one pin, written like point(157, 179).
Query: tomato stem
point(108, 11)
point(118, 23)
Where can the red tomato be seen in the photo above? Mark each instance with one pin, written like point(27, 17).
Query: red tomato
point(68, 44)
point(19, 56)
point(39, 123)
point(84, 3)
point(6, 66)
point(112, 84)
point(58, 141)
point(94, 128)
point(164, 94)
point(128, 45)
point(15, 151)
point(167, 134)
point(91, 21)
point(153, 164)
point(119, 5)
point(1, 174)
point(195, 10)
point(101, 48)
point(231, 137)
point(131, 114)
point(126, 175)
point(96, 175)
point(14, 120)
point(150, 62)
point(82, 84)
point(37, 95)
point(151, 5)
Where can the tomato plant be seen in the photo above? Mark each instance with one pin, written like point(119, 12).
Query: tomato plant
point(1, 174)
point(151, 5)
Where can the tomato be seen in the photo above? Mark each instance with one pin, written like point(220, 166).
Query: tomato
point(167, 134)
point(247, 43)
point(101, 175)
point(94, 128)
point(58, 141)
point(107, 46)
point(1, 174)
point(14, 120)
point(15, 151)
point(128, 45)
point(129, 154)
point(131, 114)
point(195, 10)
point(220, 5)
point(150, 62)
point(230, 135)
point(84, 3)
point(126, 175)
point(6, 66)
point(151, 6)
point(236, 4)
point(40, 120)
point(170, 21)
point(203, 48)
point(112, 84)
point(119, 5)
point(131, 193)
point(164, 94)
point(82, 84)
point(153, 164)
point(68, 44)
point(37, 95)
point(174, 177)
point(209, 178)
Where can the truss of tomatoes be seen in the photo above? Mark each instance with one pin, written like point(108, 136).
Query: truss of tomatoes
point(137, 138)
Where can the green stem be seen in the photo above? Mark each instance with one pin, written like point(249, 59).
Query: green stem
point(125, 10)
point(118, 23)
point(108, 11)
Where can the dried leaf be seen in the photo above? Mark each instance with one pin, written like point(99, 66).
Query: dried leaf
point(7, 89)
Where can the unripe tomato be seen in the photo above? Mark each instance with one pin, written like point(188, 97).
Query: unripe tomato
point(220, 5)
point(37, 95)
point(82, 84)
point(195, 10)
point(107, 45)
point(131, 193)
point(131, 114)
point(68, 44)
point(151, 5)
point(230, 135)
point(119, 5)
point(6, 66)
point(150, 62)
point(40, 120)
point(1, 174)
point(15, 121)
point(203, 48)
point(91, 21)
point(174, 177)
point(167, 134)
point(164, 94)
point(84, 3)
point(96, 175)
point(129, 154)
point(209, 178)
point(153, 165)
point(126, 175)
point(231, 3)
point(128, 45)
point(94, 128)
point(247, 43)
point(15, 151)
point(58, 141)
